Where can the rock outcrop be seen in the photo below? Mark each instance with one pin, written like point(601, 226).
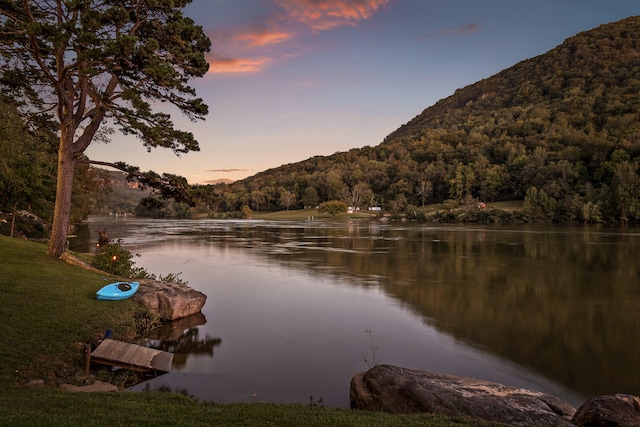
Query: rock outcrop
point(617, 410)
point(399, 390)
point(170, 301)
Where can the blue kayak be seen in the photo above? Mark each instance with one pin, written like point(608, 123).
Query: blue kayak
point(118, 290)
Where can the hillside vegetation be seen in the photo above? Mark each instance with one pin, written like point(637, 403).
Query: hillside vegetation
point(559, 131)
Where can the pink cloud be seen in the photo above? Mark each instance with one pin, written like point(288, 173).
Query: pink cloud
point(263, 38)
point(236, 47)
point(320, 15)
point(237, 50)
point(218, 65)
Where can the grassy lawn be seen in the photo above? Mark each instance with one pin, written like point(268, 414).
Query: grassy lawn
point(49, 311)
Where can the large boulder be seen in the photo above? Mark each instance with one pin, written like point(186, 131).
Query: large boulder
point(170, 301)
point(617, 410)
point(399, 390)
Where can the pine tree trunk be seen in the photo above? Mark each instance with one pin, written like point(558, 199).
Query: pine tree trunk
point(62, 209)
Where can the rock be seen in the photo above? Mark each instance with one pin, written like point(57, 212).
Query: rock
point(70, 258)
point(174, 330)
point(170, 301)
point(96, 387)
point(398, 390)
point(617, 410)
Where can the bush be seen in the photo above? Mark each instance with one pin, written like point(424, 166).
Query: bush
point(333, 208)
point(116, 260)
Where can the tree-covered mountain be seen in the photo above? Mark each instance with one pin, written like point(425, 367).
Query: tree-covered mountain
point(560, 131)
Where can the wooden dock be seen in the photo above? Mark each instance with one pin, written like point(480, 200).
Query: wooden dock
point(130, 356)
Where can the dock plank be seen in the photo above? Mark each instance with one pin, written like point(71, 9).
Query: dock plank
point(132, 356)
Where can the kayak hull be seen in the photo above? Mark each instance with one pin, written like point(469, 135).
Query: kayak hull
point(117, 291)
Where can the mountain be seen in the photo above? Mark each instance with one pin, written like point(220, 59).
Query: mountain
point(124, 197)
point(560, 131)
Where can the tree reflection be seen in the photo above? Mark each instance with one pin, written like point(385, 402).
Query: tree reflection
point(563, 301)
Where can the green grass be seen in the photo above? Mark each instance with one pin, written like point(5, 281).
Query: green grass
point(49, 311)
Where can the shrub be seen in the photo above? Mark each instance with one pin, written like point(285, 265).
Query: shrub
point(114, 259)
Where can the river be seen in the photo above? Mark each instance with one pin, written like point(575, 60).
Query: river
point(294, 309)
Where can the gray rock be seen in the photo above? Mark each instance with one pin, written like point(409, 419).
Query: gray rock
point(617, 410)
point(170, 301)
point(398, 390)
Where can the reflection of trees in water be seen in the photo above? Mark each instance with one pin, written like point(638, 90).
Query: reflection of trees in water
point(563, 301)
point(182, 338)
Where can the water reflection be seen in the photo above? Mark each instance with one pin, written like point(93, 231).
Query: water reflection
point(182, 338)
point(499, 303)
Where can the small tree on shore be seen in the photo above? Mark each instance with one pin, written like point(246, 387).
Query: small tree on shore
point(332, 207)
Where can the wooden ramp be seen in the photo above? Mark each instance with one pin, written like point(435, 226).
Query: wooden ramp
point(131, 356)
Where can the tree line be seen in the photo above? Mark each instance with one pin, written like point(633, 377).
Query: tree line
point(560, 132)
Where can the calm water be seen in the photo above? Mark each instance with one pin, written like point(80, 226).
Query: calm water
point(294, 309)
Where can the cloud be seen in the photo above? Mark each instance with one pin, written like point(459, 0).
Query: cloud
point(227, 170)
point(236, 65)
point(218, 181)
point(292, 18)
point(463, 30)
point(245, 45)
point(263, 38)
point(321, 15)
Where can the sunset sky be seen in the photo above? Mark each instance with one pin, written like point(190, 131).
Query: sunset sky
point(291, 79)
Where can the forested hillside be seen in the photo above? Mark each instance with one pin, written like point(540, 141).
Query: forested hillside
point(560, 131)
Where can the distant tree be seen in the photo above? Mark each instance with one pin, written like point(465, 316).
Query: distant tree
point(333, 208)
point(626, 182)
point(494, 179)
point(287, 198)
point(79, 64)
point(258, 198)
point(424, 190)
point(357, 193)
point(538, 205)
point(461, 182)
point(230, 201)
point(310, 197)
point(205, 197)
point(398, 203)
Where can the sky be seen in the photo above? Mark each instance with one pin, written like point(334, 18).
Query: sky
point(293, 79)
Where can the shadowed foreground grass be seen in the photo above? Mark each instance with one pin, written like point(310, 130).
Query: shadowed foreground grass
point(49, 310)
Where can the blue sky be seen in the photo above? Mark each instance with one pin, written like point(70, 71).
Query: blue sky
point(291, 79)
